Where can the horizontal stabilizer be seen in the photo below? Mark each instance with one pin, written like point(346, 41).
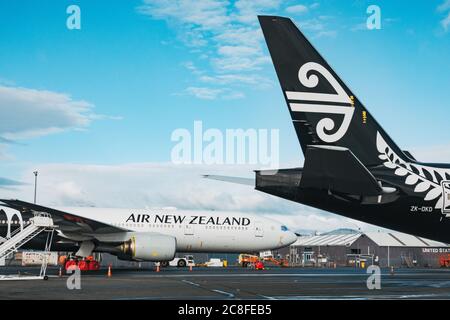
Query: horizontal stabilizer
point(337, 169)
point(238, 180)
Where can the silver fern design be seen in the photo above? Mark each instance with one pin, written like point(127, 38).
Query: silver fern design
point(424, 179)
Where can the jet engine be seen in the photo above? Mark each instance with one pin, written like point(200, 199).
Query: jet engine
point(149, 247)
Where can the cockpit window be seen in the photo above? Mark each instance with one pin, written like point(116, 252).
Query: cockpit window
point(284, 228)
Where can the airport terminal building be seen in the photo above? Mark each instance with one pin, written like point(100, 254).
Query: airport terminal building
point(351, 248)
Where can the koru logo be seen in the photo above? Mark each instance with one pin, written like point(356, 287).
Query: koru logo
point(316, 102)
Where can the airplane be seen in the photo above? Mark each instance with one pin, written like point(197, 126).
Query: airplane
point(146, 234)
point(352, 167)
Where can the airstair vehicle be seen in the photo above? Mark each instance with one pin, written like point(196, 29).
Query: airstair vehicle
point(40, 222)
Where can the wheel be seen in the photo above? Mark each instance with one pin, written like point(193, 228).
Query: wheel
point(181, 263)
point(45, 278)
point(164, 264)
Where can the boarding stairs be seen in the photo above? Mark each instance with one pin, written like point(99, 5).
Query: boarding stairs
point(40, 222)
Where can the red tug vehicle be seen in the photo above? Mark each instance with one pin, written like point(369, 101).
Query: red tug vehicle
point(444, 261)
point(84, 264)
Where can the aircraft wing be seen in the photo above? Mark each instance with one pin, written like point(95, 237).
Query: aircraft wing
point(67, 222)
point(238, 180)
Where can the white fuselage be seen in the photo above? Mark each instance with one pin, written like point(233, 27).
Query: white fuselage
point(197, 231)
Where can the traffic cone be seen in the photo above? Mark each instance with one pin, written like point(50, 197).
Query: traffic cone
point(157, 267)
point(60, 272)
point(109, 271)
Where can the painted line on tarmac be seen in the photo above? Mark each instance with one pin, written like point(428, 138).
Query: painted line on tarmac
point(229, 295)
point(191, 283)
point(267, 297)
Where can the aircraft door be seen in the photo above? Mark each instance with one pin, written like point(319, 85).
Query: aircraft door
point(259, 230)
point(446, 196)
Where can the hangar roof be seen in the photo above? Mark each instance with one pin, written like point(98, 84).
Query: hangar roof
point(328, 240)
point(398, 239)
point(382, 239)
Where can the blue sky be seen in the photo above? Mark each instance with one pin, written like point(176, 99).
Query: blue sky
point(112, 93)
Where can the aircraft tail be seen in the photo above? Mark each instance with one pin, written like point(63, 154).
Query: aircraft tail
point(323, 109)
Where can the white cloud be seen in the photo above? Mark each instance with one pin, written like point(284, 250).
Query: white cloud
point(251, 79)
point(239, 63)
point(318, 27)
point(8, 183)
point(231, 28)
point(4, 155)
point(240, 35)
point(192, 67)
point(444, 6)
point(446, 22)
point(206, 93)
point(299, 8)
point(238, 51)
point(30, 113)
point(239, 58)
point(432, 154)
point(232, 95)
point(312, 25)
point(163, 184)
point(359, 27)
point(330, 34)
point(227, 34)
point(248, 10)
point(205, 14)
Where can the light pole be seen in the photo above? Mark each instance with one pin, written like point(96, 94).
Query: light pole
point(35, 185)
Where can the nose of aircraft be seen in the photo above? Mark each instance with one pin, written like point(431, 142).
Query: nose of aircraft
point(291, 237)
point(287, 237)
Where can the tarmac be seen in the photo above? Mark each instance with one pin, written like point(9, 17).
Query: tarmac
point(229, 283)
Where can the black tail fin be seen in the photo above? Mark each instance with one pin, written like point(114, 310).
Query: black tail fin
point(322, 107)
